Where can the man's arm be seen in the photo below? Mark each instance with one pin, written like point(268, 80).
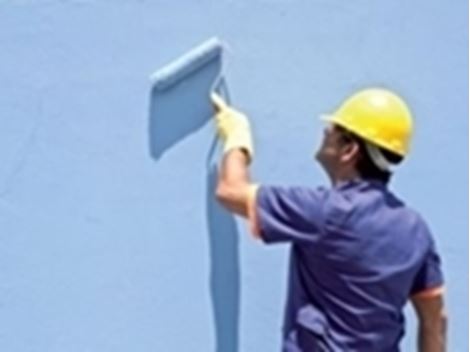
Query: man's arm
point(234, 187)
point(234, 190)
point(275, 214)
point(432, 322)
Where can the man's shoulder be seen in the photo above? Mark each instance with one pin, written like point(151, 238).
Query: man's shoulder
point(407, 211)
point(296, 192)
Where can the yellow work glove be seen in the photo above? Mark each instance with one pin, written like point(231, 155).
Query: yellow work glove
point(233, 127)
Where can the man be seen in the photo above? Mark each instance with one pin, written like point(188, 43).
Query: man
point(358, 253)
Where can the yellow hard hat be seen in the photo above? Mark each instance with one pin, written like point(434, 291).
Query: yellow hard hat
point(379, 116)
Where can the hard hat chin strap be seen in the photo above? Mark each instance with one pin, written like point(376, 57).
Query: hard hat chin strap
point(378, 159)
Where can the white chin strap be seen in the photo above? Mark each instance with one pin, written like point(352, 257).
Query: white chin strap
point(378, 159)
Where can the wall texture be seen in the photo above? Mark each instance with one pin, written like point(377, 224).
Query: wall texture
point(106, 247)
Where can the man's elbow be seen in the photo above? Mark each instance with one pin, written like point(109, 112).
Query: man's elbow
point(232, 197)
point(225, 193)
point(433, 334)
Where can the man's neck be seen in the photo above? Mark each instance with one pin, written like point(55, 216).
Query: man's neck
point(345, 177)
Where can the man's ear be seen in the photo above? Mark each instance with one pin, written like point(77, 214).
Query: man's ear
point(350, 152)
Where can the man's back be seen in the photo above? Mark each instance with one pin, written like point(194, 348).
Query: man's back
point(358, 254)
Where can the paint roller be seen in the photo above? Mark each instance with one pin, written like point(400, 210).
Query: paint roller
point(180, 79)
point(187, 64)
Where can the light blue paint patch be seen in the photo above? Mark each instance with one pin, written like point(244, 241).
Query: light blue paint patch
point(179, 106)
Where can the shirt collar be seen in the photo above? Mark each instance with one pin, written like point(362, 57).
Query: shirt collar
point(360, 184)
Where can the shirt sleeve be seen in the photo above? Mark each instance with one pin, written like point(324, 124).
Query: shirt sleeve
point(429, 281)
point(286, 214)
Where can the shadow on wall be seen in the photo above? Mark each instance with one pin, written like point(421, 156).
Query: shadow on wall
point(174, 114)
point(225, 273)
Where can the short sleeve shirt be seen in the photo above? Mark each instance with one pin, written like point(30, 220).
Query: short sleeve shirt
point(357, 255)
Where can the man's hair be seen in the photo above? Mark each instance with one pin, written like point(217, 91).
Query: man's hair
point(365, 166)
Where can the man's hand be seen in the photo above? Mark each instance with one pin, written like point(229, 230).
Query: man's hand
point(233, 127)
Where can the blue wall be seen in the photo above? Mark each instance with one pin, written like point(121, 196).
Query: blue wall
point(106, 248)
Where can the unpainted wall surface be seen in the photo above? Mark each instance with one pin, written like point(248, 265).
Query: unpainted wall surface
point(105, 246)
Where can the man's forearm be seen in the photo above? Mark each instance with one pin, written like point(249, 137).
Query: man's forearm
point(234, 168)
point(234, 181)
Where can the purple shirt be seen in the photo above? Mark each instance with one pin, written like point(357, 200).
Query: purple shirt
point(358, 253)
